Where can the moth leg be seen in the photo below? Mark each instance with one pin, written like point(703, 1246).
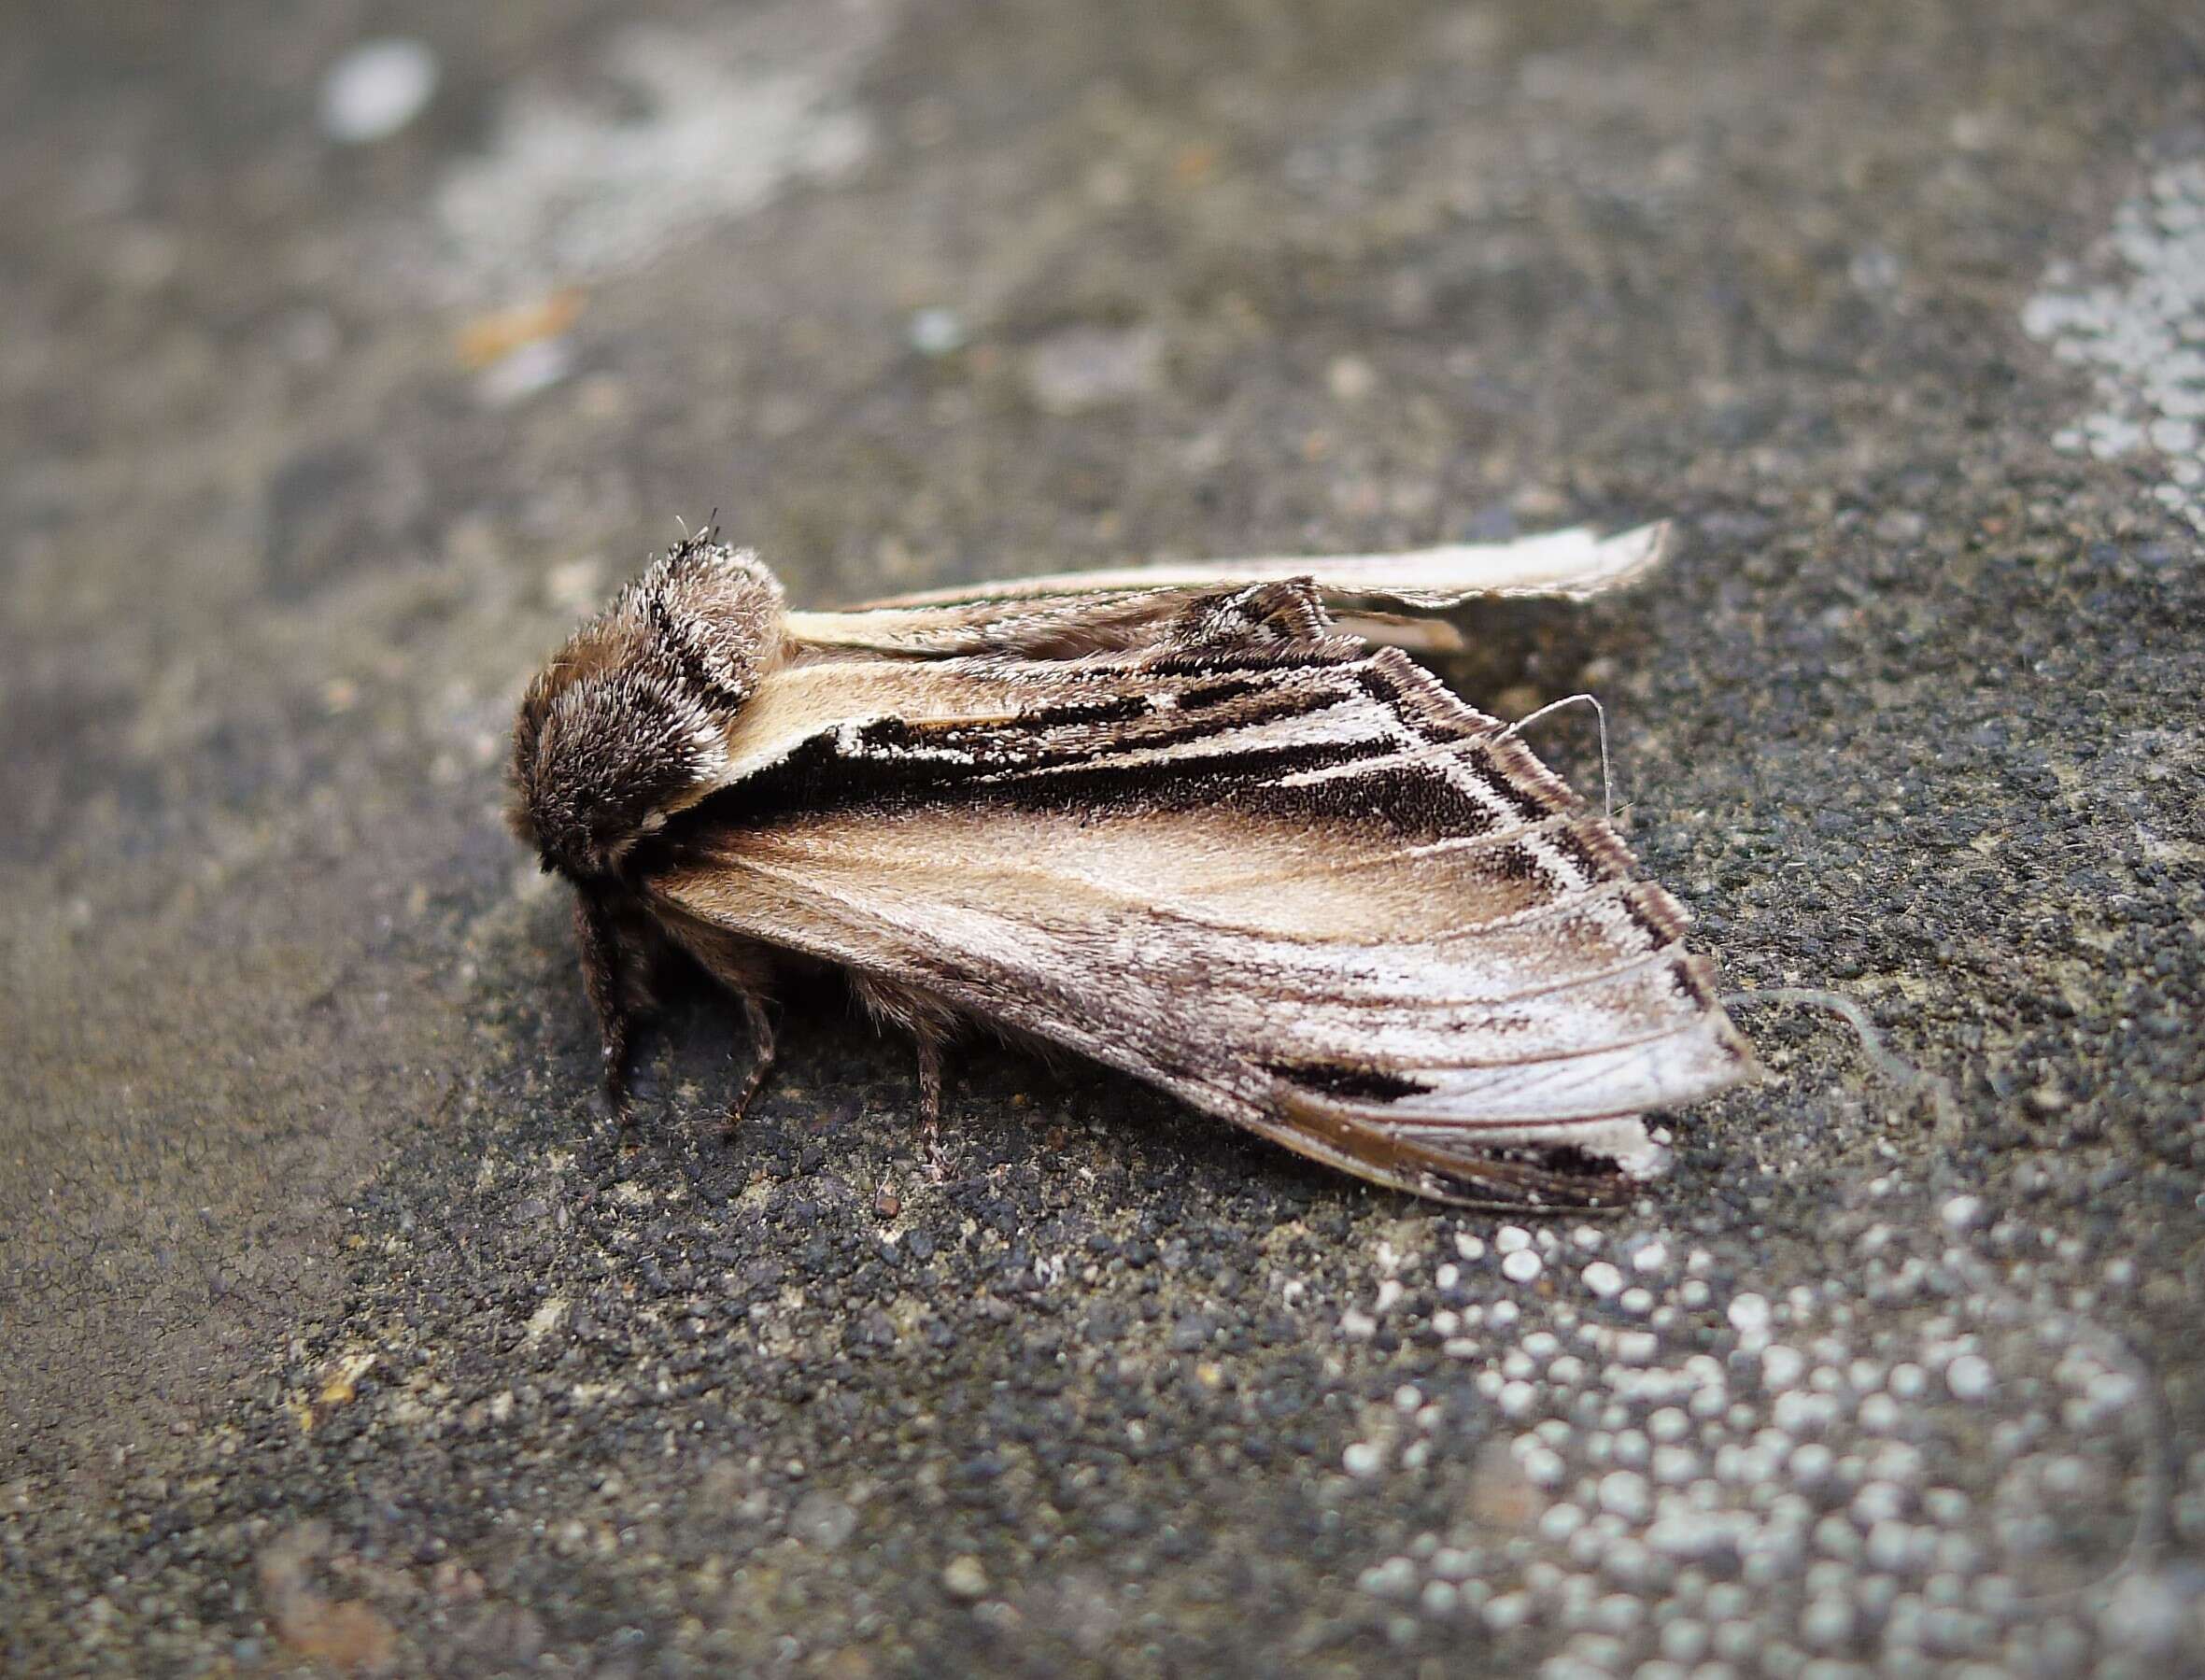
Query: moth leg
point(615, 984)
point(932, 1023)
point(929, 1047)
point(765, 1052)
point(746, 968)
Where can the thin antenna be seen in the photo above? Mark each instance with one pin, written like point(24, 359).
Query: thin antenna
point(1607, 788)
point(1899, 1071)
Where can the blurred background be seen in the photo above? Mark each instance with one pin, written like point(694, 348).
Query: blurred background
point(350, 352)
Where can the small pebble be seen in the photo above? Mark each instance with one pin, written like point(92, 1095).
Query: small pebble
point(964, 1578)
point(1510, 1610)
point(936, 332)
point(1962, 1213)
point(524, 371)
point(1827, 1624)
point(1684, 1641)
point(1351, 378)
point(1521, 1266)
point(376, 89)
point(1543, 1468)
point(1750, 1314)
point(1561, 1522)
point(821, 1520)
point(1782, 1366)
point(1970, 1378)
point(1624, 1493)
point(1396, 1578)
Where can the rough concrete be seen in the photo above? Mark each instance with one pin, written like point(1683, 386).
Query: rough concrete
point(336, 1330)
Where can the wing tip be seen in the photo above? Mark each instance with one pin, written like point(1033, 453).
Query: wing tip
point(1571, 1166)
point(1623, 558)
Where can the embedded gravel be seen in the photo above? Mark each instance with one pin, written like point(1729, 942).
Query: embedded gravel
point(345, 367)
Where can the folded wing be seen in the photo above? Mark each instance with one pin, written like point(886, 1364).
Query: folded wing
point(1285, 875)
point(1382, 594)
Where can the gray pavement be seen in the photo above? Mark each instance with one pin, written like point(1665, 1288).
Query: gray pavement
point(339, 1334)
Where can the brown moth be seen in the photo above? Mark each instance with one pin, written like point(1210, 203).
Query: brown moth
point(1176, 818)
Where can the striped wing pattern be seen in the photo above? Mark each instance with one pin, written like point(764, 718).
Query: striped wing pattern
point(1278, 872)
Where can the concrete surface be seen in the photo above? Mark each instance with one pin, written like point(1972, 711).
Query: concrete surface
point(336, 1333)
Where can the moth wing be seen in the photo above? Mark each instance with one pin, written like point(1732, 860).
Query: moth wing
point(1382, 595)
point(1296, 883)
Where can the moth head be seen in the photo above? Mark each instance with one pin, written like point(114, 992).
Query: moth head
point(630, 721)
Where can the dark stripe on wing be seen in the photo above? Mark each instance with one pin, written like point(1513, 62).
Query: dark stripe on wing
point(1112, 751)
point(1049, 756)
point(818, 779)
point(1338, 1078)
point(1211, 695)
point(1414, 803)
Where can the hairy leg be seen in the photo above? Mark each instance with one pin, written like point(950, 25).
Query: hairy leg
point(765, 1051)
point(612, 973)
point(932, 1024)
point(929, 1048)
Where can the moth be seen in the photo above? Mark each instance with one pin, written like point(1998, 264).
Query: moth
point(1179, 819)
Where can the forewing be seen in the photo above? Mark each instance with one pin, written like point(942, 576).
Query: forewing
point(1082, 611)
point(1287, 877)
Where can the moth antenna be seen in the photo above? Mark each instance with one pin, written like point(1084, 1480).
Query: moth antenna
point(1607, 786)
point(1901, 1072)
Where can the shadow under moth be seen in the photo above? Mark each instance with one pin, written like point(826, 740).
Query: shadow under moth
point(1179, 819)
